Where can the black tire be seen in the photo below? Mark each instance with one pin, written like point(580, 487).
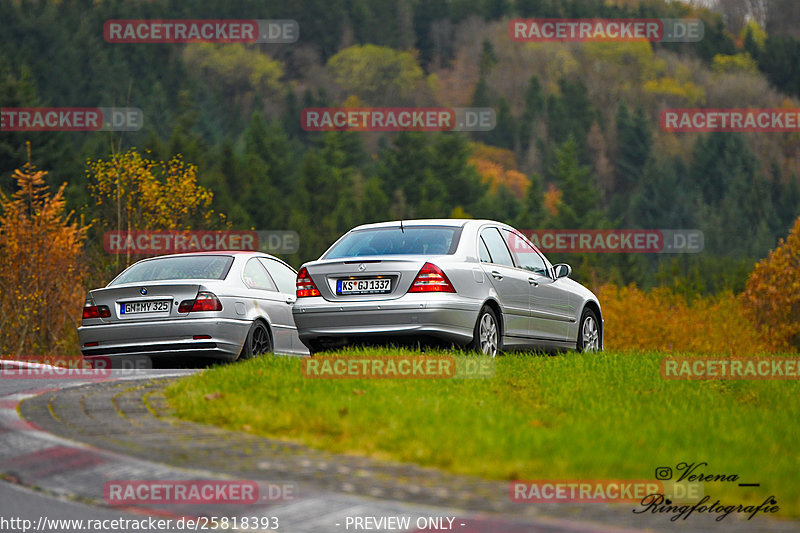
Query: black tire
point(258, 341)
point(589, 333)
point(487, 338)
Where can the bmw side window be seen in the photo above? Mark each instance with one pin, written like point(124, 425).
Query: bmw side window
point(483, 251)
point(497, 248)
point(527, 258)
point(285, 278)
point(256, 277)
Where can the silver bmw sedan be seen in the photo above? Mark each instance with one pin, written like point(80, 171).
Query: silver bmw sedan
point(476, 283)
point(226, 305)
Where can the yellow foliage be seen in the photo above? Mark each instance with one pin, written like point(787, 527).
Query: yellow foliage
point(377, 74)
point(458, 212)
point(663, 320)
point(734, 63)
point(41, 275)
point(134, 192)
point(639, 53)
point(759, 35)
point(501, 156)
point(353, 102)
point(237, 68)
point(689, 91)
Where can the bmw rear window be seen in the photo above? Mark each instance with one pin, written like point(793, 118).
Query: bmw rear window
point(411, 240)
point(182, 267)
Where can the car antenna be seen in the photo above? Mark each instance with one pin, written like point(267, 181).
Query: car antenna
point(401, 226)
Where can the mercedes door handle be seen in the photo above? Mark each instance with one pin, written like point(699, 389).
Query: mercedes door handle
point(533, 282)
point(496, 275)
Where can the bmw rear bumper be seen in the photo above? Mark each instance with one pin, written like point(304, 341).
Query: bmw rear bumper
point(158, 338)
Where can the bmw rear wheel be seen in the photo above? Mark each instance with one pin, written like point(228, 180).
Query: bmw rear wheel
point(258, 341)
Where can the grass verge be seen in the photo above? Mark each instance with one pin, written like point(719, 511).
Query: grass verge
point(575, 416)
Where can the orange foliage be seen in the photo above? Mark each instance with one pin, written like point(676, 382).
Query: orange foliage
point(772, 295)
point(665, 321)
point(552, 197)
point(41, 289)
point(497, 166)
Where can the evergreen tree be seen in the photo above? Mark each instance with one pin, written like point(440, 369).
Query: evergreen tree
point(570, 115)
point(488, 58)
point(534, 106)
point(580, 201)
point(634, 141)
point(665, 199)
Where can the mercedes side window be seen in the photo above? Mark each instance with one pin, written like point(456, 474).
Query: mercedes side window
point(526, 255)
point(497, 248)
point(483, 251)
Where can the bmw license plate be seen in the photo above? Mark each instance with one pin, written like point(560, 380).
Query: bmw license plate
point(152, 306)
point(363, 286)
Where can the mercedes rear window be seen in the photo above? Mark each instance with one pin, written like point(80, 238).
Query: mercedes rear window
point(411, 240)
point(181, 267)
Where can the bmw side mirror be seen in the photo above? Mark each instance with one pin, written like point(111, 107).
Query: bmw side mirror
point(562, 270)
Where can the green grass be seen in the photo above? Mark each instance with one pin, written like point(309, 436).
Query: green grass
point(573, 416)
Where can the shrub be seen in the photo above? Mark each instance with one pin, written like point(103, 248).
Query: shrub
point(772, 295)
point(664, 320)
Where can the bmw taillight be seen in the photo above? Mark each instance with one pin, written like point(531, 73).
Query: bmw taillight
point(305, 285)
point(205, 301)
point(431, 279)
point(90, 310)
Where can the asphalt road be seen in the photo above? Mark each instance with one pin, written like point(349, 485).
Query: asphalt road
point(19, 504)
point(46, 479)
point(87, 434)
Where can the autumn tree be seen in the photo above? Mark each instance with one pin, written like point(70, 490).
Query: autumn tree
point(134, 192)
point(41, 275)
point(240, 73)
point(772, 295)
point(378, 75)
point(498, 167)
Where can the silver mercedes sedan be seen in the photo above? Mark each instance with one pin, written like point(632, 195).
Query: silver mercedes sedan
point(226, 305)
point(476, 283)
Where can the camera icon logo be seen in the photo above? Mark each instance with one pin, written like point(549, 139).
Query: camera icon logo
point(663, 473)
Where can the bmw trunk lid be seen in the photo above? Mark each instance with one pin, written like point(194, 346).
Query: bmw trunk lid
point(144, 301)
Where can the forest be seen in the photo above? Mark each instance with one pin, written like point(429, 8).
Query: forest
point(577, 142)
